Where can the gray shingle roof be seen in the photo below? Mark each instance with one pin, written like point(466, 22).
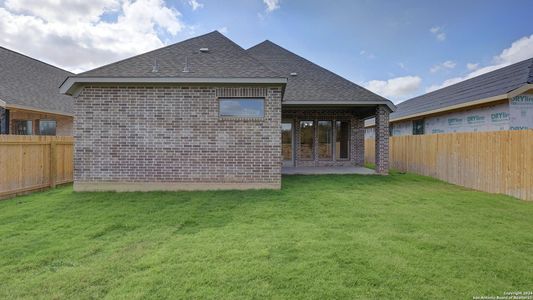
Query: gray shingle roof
point(28, 82)
point(491, 84)
point(225, 59)
point(312, 82)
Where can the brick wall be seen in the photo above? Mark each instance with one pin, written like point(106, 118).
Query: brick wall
point(356, 136)
point(174, 135)
point(382, 139)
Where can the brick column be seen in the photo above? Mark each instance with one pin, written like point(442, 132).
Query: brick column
point(382, 140)
point(4, 121)
point(296, 142)
point(358, 142)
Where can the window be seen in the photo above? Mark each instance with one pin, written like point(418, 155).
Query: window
point(23, 127)
point(47, 127)
point(418, 126)
point(325, 140)
point(286, 141)
point(307, 132)
point(342, 146)
point(242, 107)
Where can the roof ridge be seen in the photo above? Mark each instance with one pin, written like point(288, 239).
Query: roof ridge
point(249, 55)
point(151, 51)
point(319, 66)
point(35, 59)
point(216, 34)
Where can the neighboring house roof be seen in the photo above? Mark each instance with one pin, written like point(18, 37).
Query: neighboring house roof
point(29, 83)
point(311, 83)
point(221, 61)
point(492, 84)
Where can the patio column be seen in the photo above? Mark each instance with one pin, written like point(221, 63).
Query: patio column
point(358, 149)
point(296, 142)
point(382, 140)
point(4, 121)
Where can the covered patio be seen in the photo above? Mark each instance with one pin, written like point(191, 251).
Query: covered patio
point(328, 138)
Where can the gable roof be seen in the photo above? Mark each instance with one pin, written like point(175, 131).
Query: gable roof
point(312, 83)
point(184, 62)
point(492, 84)
point(29, 83)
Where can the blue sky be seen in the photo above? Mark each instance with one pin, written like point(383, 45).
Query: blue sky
point(397, 48)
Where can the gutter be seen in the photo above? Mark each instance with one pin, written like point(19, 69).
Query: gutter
point(453, 107)
point(39, 110)
point(346, 103)
point(520, 90)
point(73, 85)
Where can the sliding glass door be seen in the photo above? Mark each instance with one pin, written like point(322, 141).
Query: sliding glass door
point(286, 144)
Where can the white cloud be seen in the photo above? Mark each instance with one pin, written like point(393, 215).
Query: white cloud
point(81, 39)
point(271, 5)
point(472, 66)
point(442, 66)
point(395, 88)
point(367, 54)
point(438, 32)
point(519, 50)
point(195, 4)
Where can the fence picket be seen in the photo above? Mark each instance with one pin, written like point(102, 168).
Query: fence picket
point(30, 163)
point(497, 162)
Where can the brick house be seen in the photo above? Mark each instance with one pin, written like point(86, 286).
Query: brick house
point(207, 114)
point(30, 102)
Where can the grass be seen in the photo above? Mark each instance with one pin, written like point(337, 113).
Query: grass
point(346, 236)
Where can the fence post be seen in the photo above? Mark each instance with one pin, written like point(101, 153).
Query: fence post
point(53, 164)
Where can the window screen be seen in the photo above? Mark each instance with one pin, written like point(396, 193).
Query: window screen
point(343, 140)
point(418, 126)
point(23, 127)
point(325, 140)
point(47, 127)
point(307, 138)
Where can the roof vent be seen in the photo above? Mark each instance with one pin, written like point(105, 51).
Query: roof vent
point(294, 74)
point(186, 67)
point(155, 67)
point(204, 50)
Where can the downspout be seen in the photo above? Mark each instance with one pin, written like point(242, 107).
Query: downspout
point(4, 118)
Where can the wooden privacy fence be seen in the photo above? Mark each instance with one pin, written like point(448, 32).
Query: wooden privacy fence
point(34, 162)
point(495, 162)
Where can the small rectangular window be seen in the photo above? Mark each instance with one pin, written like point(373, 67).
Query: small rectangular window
point(325, 140)
point(242, 107)
point(342, 146)
point(307, 138)
point(23, 127)
point(418, 127)
point(47, 127)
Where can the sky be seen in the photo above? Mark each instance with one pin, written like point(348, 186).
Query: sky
point(398, 49)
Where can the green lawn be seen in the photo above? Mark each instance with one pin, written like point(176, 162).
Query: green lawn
point(346, 236)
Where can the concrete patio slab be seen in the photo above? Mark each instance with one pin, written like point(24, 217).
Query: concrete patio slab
point(326, 170)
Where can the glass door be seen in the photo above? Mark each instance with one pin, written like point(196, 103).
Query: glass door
point(287, 152)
